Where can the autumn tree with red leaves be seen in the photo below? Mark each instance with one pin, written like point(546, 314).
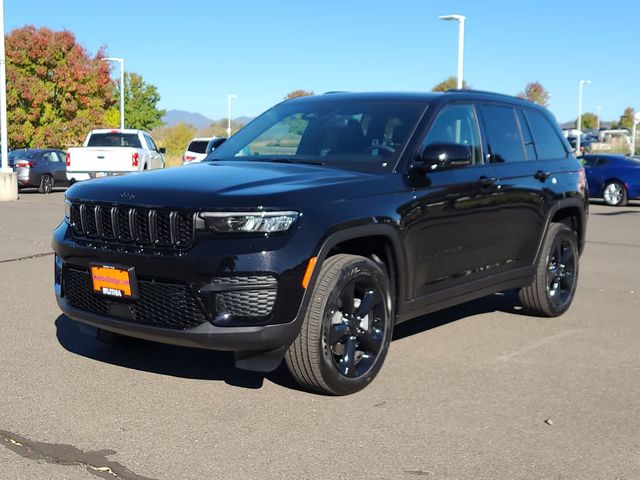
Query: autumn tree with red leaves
point(56, 91)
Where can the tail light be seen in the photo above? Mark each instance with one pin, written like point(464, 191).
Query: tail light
point(582, 178)
point(188, 158)
point(68, 159)
point(135, 160)
point(25, 164)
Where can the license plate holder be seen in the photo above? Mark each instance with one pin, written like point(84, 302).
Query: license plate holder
point(115, 282)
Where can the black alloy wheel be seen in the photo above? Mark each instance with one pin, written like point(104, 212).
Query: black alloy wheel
point(347, 328)
point(561, 268)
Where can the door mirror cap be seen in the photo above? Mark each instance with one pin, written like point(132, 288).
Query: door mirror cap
point(162, 150)
point(443, 156)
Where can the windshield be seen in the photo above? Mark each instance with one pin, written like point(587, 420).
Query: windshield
point(366, 135)
point(114, 139)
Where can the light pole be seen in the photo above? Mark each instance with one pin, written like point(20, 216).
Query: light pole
point(599, 110)
point(8, 179)
point(582, 82)
point(121, 62)
point(460, 19)
point(636, 121)
point(229, 97)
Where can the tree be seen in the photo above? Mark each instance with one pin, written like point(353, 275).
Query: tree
point(175, 138)
point(450, 83)
point(140, 105)
point(56, 92)
point(535, 93)
point(219, 128)
point(298, 93)
point(589, 121)
point(626, 119)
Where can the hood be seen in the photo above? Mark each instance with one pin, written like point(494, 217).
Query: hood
point(234, 184)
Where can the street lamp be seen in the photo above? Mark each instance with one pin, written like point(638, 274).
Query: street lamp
point(599, 110)
point(460, 19)
point(636, 121)
point(229, 97)
point(8, 180)
point(582, 82)
point(121, 62)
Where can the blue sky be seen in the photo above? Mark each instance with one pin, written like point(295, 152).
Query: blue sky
point(198, 51)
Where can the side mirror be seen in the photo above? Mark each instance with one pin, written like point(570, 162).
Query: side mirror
point(443, 156)
point(162, 150)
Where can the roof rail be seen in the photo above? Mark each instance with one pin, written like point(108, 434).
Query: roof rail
point(485, 92)
point(335, 91)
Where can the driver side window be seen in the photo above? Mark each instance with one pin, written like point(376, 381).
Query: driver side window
point(457, 124)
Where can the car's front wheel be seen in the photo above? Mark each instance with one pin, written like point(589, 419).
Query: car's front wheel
point(46, 184)
point(347, 328)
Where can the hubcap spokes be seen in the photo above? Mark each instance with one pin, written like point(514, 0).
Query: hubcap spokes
point(356, 331)
point(613, 194)
point(561, 273)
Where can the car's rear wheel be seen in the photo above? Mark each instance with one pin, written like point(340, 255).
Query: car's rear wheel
point(554, 286)
point(46, 184)
point(615, 194)
point(347, 328)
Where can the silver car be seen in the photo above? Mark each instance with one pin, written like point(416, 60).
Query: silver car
point(43, 169)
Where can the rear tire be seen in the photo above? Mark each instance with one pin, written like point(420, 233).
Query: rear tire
point(554, 286)
point(614, 194)
point(46, 184)
point(346, 330)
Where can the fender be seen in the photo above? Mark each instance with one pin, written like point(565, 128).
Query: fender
point(361, 231)
point(572, 202)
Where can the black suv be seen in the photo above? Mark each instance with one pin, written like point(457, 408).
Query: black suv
point(323, 223)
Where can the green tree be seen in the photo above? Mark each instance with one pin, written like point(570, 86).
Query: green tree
point(175, 138)
point(626, 119)
point(56, 91)
point(298, 93)
point(450, 83)
point(219, 128)
point(140, 105)
point(589, 121)
point(536, 93)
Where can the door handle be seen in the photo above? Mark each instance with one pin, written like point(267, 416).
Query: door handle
point(486, 181)
point(542, 176)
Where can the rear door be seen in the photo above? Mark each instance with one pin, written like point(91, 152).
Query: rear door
point(156, 159)
point(55, 167)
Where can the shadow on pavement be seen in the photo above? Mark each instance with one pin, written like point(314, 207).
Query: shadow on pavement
point(200, 364)
point(619, 212)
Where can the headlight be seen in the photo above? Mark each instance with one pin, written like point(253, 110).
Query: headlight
point(67, 210)
point(247, 222)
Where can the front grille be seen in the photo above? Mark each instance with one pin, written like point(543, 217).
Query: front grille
point(161, 228)
point(159, 304)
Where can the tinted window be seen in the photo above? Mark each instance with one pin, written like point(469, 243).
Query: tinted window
point(548, 143)
point(457, 124)
point(150, 142)
point(50, 157)
point(114, 139)
point(529, 148)
point(503, 134)
point(366, 135)
point(602, 161)
point(198, 146)
point(215, 143)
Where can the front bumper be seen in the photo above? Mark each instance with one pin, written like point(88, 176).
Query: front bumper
point(196, 271)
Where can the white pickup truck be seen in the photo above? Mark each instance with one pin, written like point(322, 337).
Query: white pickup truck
point(113, 152)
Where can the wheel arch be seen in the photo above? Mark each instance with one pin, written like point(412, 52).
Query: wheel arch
point(571, 212)
point(381, 243)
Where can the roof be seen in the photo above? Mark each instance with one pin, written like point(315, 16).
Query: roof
point(117, 130)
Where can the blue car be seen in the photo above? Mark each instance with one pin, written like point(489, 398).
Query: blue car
point(615, 178)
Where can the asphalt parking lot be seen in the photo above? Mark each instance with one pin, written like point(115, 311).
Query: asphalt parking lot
point(478, 391)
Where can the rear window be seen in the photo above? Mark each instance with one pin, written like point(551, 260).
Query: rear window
point(198, 146)
point(114, 140)
point(548, 143)
point(505, 141)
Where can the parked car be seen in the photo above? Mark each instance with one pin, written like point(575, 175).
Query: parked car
point(585, 143)
point(199, 148)
point(614, 178)
point(43, 169)
point(113, 152)
point(323, 223)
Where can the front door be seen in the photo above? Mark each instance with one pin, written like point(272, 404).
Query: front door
point(450, 227)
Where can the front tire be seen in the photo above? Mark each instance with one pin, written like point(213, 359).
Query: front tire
point(346, 330)
point(554, 286)
point(614, 194)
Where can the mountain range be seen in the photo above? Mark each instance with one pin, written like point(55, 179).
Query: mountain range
point(173, 117)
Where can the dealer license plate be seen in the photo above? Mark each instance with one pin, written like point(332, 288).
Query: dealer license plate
point(116, 282)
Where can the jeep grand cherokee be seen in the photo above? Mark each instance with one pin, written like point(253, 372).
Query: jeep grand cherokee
point(323, 223)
